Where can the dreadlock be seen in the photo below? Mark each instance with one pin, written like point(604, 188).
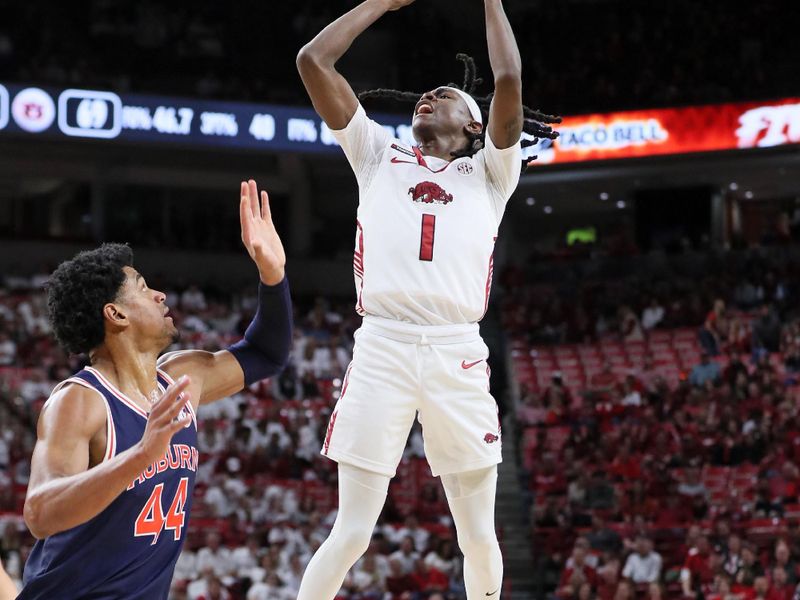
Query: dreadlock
point(536, 123)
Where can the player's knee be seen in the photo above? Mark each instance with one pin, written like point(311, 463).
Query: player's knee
point(353, 543)
point(479, 545)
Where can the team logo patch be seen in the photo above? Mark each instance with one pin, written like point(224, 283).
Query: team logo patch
point(428, 192)
point(490, 438)
point(465, 169)
point(33, 110)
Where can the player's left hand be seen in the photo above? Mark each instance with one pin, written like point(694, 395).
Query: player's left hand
point(259, 235)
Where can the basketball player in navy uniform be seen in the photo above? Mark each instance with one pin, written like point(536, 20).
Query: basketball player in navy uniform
point(114, 465)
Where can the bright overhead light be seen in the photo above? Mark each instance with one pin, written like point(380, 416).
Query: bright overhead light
point(748, 194)
point(603, 196)
point(733, 186)
point(530, 201)
point(621, 204)
point(548, 210)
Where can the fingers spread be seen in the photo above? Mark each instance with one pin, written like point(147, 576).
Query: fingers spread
point(170, 397)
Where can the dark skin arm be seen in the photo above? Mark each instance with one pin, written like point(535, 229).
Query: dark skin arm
point(67, 486)
point(216, 375)
point(505, 114)
point(333, 98)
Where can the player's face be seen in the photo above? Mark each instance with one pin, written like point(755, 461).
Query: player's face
point(146, 309)
point(440, 112)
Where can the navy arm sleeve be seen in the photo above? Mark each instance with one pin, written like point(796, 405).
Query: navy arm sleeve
point(264, 350)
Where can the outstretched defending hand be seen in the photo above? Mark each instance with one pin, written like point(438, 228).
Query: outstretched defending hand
point(398, 4)
point(163, 422)
point(259, 235)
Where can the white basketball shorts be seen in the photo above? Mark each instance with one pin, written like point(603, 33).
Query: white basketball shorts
point(401, 371)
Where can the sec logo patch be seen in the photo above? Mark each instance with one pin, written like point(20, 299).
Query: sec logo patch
point(465, 169)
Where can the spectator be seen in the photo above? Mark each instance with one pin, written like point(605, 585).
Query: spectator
point(604, 382)
point(214, 556)
point(760, 588)
point(193, 299)
point(270, 589)
point(602, 538)
point(399, 582)
point(406, 555)
point(751, 568)
point(644, 564)
point(630, 329)
point(601, 494)
point(714, 331)
point(733, 555)
point(624, 591)
point(572, 577)
point(706, 371)
point(767, 330)
point(722, 588)
point(780, 588)
point(782, 558)
point(429, 579)
point(735, 367)
point(8, 349)
point(652, 315)
point(693, 486)
point(696, 571)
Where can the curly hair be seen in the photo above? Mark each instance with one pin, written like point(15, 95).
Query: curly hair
point(77, 291)
point(535, 123)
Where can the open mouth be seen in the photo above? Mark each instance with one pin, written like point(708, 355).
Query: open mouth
point(424, 108)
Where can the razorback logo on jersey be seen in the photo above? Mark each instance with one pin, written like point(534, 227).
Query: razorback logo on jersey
point(428, 192)
point(490, 438)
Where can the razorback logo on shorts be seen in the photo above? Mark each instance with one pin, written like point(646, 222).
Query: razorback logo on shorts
point(490, 438)
point(428, 192)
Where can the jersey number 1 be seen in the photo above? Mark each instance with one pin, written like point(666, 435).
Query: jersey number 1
point(151, 519)
point(426, 239)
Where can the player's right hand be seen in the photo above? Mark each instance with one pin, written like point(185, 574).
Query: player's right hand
point(398, 4)
point(163, 422)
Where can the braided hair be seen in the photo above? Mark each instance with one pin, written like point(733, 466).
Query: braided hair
point(536, 123)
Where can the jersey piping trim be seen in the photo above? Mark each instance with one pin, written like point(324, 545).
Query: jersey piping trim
point(423, 163)
point(116, 393)
point(111, 436)
point(171, 381)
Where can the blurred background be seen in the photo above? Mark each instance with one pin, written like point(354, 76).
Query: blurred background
point(644, 316)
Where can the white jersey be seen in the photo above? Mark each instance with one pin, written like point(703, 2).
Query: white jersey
point(426, 227)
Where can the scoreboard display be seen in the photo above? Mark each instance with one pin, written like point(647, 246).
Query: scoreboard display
point(146, 120)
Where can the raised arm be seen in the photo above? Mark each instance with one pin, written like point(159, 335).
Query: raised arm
point(264, 350)
point(505, 114)
point(63, 491)
point(332, 96)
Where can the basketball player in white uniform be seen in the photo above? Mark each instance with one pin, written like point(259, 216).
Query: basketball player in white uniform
point(427, 224)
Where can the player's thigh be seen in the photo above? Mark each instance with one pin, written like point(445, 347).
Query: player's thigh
point(380, 396)
point(459, 416)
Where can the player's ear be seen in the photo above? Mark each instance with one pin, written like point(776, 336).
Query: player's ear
point(473, 127)
point(115, 315)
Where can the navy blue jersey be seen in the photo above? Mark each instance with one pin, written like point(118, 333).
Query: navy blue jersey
point(129, 550)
